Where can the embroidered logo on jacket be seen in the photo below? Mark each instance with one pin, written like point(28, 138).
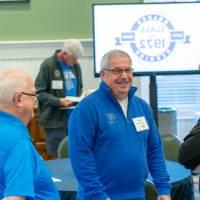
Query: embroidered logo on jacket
point(111, 118)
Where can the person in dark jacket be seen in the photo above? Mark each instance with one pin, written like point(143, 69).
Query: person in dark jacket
point(59, 77)
point(189, 152)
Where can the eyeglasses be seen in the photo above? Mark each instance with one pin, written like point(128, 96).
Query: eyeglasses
point(30, 94)
point(119, 71)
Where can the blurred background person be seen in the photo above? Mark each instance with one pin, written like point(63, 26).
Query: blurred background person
point(189, 152)
point(59, 76)
point(113, 138)
point(23, 174)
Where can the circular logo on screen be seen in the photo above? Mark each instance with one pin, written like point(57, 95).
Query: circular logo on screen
point(152, 38)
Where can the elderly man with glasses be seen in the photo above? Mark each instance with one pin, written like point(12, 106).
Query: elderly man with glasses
point(113, 139)
point(59, 77)
point(23, 174)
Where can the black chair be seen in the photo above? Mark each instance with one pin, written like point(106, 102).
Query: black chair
point(150, 191)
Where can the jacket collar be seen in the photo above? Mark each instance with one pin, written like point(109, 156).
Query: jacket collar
point(105, 88)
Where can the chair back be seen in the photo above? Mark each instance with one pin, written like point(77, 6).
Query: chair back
point(150, 191)
point(63, 148)
point(171, 146)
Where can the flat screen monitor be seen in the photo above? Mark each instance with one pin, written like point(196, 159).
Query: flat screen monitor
point(162, 38)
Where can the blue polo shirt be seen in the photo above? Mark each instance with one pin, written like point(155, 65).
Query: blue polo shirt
point(22, 170)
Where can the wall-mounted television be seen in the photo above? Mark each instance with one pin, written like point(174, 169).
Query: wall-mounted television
point(162, 38)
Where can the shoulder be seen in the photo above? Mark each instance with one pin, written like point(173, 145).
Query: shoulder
point(88, 101)
point(90, 104)
point(138, 101)
point(50, 62)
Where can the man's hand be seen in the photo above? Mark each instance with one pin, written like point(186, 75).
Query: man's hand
point(164, 197)
point(64, 102)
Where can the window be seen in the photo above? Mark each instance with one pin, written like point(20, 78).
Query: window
point(179, 91)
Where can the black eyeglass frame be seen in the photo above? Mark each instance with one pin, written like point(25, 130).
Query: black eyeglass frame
point(119, 71)
point(30, 94)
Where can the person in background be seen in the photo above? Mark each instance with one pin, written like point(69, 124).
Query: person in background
point(23, 174)
point(189, 152)
point(113, 138)
point(59, 77)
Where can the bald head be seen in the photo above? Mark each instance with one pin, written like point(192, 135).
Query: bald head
point(17, 94)
point(12, 81)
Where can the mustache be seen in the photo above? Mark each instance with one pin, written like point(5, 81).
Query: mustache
point(122, 81)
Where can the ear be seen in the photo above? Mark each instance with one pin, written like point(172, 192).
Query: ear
point(102, 73)
point(17, 99)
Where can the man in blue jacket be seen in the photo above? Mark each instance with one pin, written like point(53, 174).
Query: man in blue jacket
point(113, 139)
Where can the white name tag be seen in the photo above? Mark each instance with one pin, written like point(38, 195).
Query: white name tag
point(57, 84)
point(140, 124)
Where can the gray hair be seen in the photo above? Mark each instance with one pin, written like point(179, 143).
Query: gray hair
point(112, 54)
point(73, 47)
point(11, 81)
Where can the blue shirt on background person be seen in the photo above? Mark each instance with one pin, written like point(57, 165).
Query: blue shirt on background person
point(71, 83)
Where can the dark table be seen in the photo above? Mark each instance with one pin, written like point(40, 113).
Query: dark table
point(61, 169)
point(182, 187)
point(180, 179)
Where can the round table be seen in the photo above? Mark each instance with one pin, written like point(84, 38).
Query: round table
point(180, 179)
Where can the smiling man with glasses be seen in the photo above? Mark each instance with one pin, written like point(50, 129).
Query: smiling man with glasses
point(23, 174)
point(113, 138)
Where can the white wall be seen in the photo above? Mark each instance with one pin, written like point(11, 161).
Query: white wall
point(28, 55)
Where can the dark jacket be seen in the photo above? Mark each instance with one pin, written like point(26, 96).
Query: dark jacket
point(50, 115)
point(189, 153)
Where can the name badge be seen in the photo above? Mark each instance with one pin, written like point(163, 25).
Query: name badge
point(57, 84)
point(140, 124)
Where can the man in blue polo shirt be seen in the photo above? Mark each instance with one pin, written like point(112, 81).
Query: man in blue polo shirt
point(23, 174)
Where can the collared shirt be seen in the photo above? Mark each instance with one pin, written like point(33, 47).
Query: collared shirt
point(22, 170)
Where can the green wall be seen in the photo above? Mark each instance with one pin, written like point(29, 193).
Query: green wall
point(48, 19)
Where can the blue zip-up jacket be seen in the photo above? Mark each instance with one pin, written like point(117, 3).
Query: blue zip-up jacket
point(109, 157)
